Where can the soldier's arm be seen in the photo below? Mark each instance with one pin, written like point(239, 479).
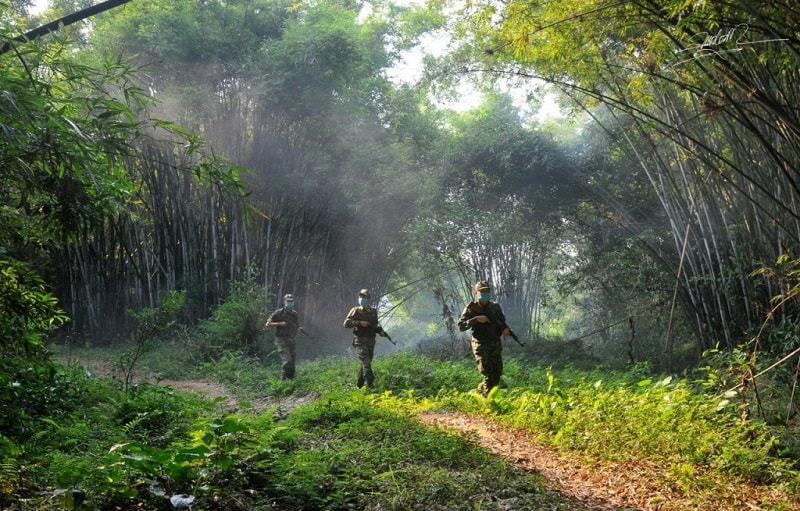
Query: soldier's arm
point(466, 320)
point(350, 321)
point(274, 320)
point(501, 318)
point(498, 313)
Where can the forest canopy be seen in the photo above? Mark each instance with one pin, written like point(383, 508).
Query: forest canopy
point(205, 146)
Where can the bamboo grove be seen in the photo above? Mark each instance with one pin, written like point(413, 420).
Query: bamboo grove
point(703, 95)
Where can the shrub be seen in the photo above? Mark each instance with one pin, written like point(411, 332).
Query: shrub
point(237, 324)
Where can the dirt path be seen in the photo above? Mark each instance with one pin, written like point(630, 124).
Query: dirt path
point(607, 486)
point(563, 474)
point(208, 388)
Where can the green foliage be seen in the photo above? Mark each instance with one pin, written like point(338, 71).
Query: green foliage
point(214, 459)
point(74, 130)
point(781, 338)
point(325, 445)
point(173, 37)
point(151, 325)
point(64, 423)
point(425, 375)
point(244, 373)
point(356, 455)
point(237, 323)
point(615, 416)
point(31, 390)
point(27, 310)
point(723, 369)
point(151, 414)
point(66, 134)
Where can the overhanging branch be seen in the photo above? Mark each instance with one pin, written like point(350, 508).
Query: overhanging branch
point(62, 22)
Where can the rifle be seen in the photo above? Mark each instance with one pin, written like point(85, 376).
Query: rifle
point(299, 328)
point(505, 325)
point(376, 327)
point(388, 337)
point(514, 336)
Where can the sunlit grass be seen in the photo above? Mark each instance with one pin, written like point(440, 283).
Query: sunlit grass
point(702, 442)
point(343, 447)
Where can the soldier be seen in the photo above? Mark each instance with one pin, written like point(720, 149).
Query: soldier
point(286, 323)
point(487, 321)
point(363, 319)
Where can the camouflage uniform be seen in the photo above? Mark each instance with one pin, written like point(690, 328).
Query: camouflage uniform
point(285, 339)
point(487, 346)
point(364, 338)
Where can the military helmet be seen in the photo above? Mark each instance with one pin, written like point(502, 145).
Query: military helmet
point(364, 293)
point(482, 285)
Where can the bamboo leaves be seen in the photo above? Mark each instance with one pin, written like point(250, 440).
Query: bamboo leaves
point(707, 91)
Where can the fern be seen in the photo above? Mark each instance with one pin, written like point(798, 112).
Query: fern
point(10, 474)
point(131, 425)
point(38, 443)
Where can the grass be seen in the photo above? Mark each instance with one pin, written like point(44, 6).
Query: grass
point(345, 448)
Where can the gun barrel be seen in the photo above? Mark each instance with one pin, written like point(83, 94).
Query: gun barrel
point(514, 336)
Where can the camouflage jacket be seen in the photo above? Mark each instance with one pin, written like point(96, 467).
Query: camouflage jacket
point(359, 314)
point(483, 332)
point(292, 319)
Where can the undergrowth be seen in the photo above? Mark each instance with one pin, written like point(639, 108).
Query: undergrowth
point(323, 444)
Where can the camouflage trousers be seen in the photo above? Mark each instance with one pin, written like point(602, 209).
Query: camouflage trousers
point(489, 357)
point(365, 350)
point(287, 351)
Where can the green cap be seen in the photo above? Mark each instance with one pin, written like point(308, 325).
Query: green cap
point(483, 285)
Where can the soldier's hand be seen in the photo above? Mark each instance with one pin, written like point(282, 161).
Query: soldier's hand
point(482, 319)
point(507, 332)
point(365, 323)
point(301, 329)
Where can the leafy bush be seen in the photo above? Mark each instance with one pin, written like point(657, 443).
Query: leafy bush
point(65, 420)
point(151, 325)
point(30, 391)
point(214, 460)
point(237, 324)
point(27, 311)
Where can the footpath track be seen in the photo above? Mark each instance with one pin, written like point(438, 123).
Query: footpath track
point(604, 486)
